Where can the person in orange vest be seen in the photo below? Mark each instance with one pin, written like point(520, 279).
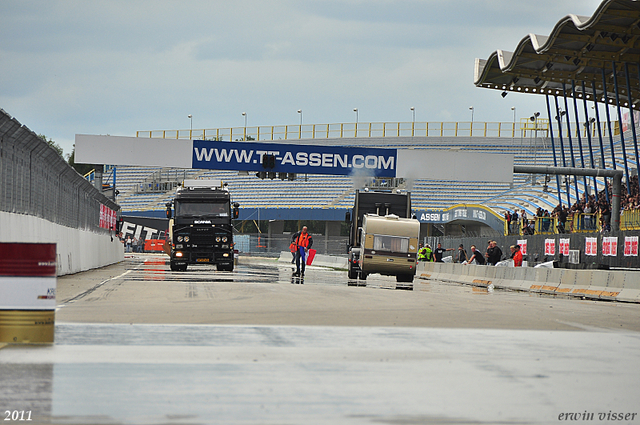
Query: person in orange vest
point(517, 256)
point(303, 241)
point(293, 248)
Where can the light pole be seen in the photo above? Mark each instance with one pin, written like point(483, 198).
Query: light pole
point(356, 111)
point(191, 128)
point(534, 119)
point(244, 114)
point(471, 129)
point(300, 132)
point(413, 120)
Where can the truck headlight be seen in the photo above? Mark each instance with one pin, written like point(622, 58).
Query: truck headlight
point(224, 239)
point(180, 239)
point(178, 254)
point(218, 239)
point(186, 238)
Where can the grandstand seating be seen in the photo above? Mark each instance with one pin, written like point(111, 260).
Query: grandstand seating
point(338, 191)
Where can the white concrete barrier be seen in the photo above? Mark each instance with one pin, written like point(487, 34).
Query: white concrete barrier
point(77, 250)
point(597, 284)
point(319, 260)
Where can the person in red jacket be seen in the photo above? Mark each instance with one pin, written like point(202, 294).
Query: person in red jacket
point(517, 257)
point(303, 241)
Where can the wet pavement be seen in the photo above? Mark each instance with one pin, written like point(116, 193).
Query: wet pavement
point(138, 344)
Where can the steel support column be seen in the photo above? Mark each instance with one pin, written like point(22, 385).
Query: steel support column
point(624, 149)
point(564, 160)
point(587, 125)
point(615, 174)
point(632, 119)
point(599, 126)
point(553, 147)
point(575, 111)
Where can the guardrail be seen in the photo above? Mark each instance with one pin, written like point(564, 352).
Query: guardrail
point(576, 223)
point(524, 129)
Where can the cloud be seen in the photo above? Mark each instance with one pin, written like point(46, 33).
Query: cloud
point(120, 66)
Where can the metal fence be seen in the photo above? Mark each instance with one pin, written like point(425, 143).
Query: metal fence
point(524, 129)
point(536, 248)
point(37, 181)
point(262, 244)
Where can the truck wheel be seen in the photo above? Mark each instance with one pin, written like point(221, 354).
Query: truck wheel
point(173, 267)
point(363, 275)
point(224, 267)
point(404, 278)
point(183, 268)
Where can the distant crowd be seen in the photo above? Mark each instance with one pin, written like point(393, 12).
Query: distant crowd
point(586, 207)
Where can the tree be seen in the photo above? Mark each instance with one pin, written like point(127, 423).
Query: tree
point(53, 144)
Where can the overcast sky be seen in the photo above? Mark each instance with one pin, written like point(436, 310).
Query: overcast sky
point(114, 67)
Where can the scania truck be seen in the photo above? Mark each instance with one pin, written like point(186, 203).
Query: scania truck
point(200, 225)
point(383, 236)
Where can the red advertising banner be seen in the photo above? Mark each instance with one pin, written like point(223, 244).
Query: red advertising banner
point(610, 246)
point(549, 247)
point(591, 246)
point(523, 246)
point(631, 246)
point(564, 246)
point(107, 217)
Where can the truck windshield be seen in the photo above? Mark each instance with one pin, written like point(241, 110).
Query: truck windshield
point(217, 209)
point(391, 243)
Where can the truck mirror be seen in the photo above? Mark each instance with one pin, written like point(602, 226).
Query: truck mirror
point(236, 212)
point(168, 212)
point(347, 217)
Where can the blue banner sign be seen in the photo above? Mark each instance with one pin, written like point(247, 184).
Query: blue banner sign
point(289, 158)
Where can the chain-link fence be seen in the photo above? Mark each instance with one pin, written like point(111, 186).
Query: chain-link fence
point(262, 244)
point(36, 181)
point(537, 248)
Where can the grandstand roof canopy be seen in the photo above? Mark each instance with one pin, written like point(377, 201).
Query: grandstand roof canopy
point(578, 49)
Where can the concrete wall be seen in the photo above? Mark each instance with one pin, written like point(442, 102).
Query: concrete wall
point(77, 250)
point(594, 284)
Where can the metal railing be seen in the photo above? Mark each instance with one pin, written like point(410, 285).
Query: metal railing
point(37, 181)
point(523, 129)
point(576, 223)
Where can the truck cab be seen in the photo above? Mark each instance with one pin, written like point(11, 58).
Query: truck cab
point(381, 223)
point(200, 226)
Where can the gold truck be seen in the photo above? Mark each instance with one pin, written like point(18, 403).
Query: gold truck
point(388, 246)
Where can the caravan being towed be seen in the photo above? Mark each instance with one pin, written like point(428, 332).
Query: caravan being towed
point(389, 246)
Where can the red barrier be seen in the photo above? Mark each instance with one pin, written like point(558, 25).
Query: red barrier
point(28, 288)
point(154, 245)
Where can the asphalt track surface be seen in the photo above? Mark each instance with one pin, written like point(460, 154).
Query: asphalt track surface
point(139, 344)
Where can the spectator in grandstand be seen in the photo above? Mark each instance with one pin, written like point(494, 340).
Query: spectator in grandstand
point(439, 251)
point(477, 256)
point(127, 243)
point(530, 229)
point(514, 223)
point(605, 216)
point(507, 218)
point(462, 254)
point(303, 241)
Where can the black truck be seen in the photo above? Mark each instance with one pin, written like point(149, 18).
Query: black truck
point(200, 228)
point(380, 204)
